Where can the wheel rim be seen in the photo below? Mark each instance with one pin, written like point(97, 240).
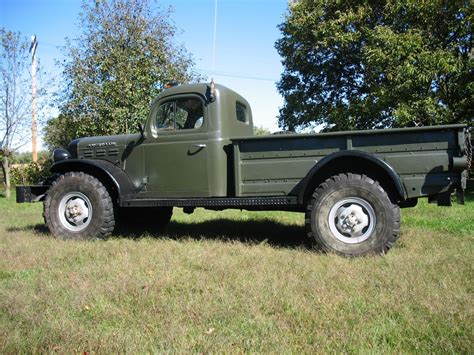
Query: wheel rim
point(75, 211)
point(352, 220)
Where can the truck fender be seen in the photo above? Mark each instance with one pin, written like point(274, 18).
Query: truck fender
point(329, 161)
point(112, 176)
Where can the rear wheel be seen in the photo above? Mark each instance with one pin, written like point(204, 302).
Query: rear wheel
point(78, 206)
point(352, 215)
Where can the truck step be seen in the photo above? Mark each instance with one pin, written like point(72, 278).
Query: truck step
point(213, 202)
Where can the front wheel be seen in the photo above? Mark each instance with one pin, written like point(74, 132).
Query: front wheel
point(78, 206)
point(352, 215)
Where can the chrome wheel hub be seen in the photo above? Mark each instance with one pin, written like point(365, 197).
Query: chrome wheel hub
point(352, 220)
point(75, 210)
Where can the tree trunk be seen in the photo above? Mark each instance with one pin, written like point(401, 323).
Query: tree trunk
point(6, 175)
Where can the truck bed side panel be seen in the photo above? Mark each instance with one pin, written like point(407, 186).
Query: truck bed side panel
point(273, 165)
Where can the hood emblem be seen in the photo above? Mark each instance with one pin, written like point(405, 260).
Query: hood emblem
point(102, 144)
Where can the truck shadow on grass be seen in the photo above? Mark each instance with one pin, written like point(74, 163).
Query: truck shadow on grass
point(226, 230)
point(251, 232)
point(469, 192)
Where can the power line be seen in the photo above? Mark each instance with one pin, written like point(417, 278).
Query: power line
point(240, 76)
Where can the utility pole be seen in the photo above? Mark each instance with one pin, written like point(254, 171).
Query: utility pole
point(33, 46)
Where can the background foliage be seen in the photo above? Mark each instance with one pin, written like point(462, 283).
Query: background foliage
point(120, 62)
point(31, 173)
point(376, 64)
point(261, 131)
point(25, 172)
point(15, 86)
point(27, 157)
point(15, 98)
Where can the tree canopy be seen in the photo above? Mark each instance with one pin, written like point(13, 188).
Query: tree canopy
point(376, 64)
point(122, 59)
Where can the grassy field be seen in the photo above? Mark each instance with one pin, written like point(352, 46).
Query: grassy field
point(236, 281)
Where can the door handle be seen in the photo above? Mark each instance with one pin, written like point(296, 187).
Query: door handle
point(200, 145)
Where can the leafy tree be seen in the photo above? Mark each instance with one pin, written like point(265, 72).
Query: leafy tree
point(119, 63)
point(15, 94)
point(261, 131)
point(59, 131)
point(375, 64)
point(29, 172)
point(27, 157)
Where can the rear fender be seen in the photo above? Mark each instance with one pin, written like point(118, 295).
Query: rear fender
point(328, 166)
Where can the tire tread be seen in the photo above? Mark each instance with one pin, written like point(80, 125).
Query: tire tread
point(336, 180)
point(106, 224)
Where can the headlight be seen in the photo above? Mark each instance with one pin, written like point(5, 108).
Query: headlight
point(60, 154)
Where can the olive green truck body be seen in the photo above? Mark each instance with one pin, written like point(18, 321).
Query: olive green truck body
point(423, 159)
point(197, 150)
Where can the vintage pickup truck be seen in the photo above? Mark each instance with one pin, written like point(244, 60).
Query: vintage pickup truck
point(197, 150)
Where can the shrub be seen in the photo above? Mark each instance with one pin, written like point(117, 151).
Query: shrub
point(30, 174)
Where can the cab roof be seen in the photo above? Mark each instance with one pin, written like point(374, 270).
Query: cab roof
point(202, 89)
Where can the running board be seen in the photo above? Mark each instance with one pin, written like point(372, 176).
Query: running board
point(239, 202)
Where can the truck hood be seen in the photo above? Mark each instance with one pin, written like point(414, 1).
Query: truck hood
point(102, 147)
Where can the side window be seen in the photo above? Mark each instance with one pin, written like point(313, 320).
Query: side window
point(165, 116)
point(181, 117)
point(189, 113)
point(186, 113)
point(241, 112)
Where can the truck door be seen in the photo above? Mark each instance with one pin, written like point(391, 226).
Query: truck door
point(176, 149)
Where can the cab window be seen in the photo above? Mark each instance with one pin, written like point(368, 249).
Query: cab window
point(185, 113)
point(241, 112)
point(165, 116)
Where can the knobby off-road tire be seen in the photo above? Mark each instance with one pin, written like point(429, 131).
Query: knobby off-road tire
point(352, 215)
point(78, 206)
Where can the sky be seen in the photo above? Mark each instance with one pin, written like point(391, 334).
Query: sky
point(245, 58)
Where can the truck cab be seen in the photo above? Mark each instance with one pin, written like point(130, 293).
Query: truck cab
point(186, 137)
point(184, 148)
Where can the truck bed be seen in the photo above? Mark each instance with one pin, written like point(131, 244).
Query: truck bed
point(423, 157)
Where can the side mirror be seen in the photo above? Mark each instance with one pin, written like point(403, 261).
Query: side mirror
point(212, 91)
point(141, 128)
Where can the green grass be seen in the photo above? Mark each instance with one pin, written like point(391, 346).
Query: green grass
point(236, 281)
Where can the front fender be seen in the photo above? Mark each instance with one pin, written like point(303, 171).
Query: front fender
point(109, 174)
